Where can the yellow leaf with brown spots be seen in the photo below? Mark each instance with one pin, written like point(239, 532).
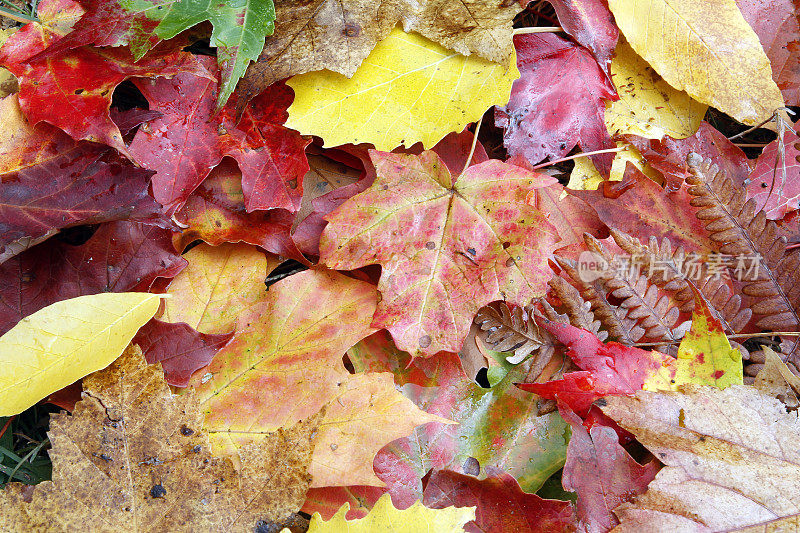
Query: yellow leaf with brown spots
point(134, 457)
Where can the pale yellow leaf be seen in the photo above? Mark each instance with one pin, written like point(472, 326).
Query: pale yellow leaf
point(706, 48)
point(585, 176)
point(648, 106)
point(65, 341)
point(218, 284)
point(731, 460)
point(385, 517)
point(408, 90)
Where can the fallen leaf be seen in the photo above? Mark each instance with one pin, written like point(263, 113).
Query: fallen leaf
point(215, 213)
point(775, 22)
point(408, 90)
point(500, 504)
point(668, 155)
point(648, 106)
point(609, 369)
point(120, 257)
point(448, 244)
point(134, 457)
point(73, 91)
point(774, 193)
point(217, 285)
point(705, 356)
point(291, 345)
point(56, 19)
point(591, 24)
point(601, 472)
point(776, 380)
point(180, 349)
point(706, 49)
point(271, 157)
point(730, 460)
point(586, 177)
point(497, 427)
point(65, 341)
point(338, 36)
point(326, 501)
point(8, 83)
point(384, 516)
point(49, 182)
point(557, 102)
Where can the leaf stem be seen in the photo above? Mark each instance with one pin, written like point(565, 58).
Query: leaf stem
point(17, 17)
point(582, 154)
point(474, 144)
point(537, 29)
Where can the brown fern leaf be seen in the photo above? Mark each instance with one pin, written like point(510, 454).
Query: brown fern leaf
point(740, 231)
point(578, 311)
point(614, 319)
point(510, 329)
point(655, 313)
point(664, 266)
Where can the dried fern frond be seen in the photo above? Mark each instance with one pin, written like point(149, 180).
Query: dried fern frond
point(741, 231)
point(669, 276)
point(510, 329)
point(614, 318)
point(654, 312)
point(578, 310)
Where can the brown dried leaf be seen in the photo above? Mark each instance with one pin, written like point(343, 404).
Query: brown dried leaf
point(133, 457)
point(338, 35)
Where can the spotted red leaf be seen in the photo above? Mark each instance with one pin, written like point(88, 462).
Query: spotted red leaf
point(502, 506)
point(119, 257)
point(181, 349)
point(557, 102)
point(190, 139)
point(48, 181)
point(448, 245)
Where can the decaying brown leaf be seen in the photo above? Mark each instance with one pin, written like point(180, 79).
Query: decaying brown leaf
point(731, 460)
point(776, 380)
point(133, 457)
point(338, 34)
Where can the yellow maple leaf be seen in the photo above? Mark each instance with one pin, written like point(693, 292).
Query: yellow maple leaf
point(65, 341)
point(706, 49)
point(133, 457)
point(648, 106)
point(218, 284)
point(408, 90)
point(385, 517)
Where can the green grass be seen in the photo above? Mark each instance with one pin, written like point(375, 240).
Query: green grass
point(24, 445)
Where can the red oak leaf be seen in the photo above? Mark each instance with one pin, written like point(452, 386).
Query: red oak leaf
point(502, 506)
point(119, 257)
point(181, 349)
point(215, 213)
point(73, 90)
point(639, 206)
point(591, 23)
point(611, 368)
point(668, 155)
point(49, 182)
point(272, 158)
point(774, 194)
point(778, 28)
point(447, 246)
point(557, 102)
point(601, 472)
